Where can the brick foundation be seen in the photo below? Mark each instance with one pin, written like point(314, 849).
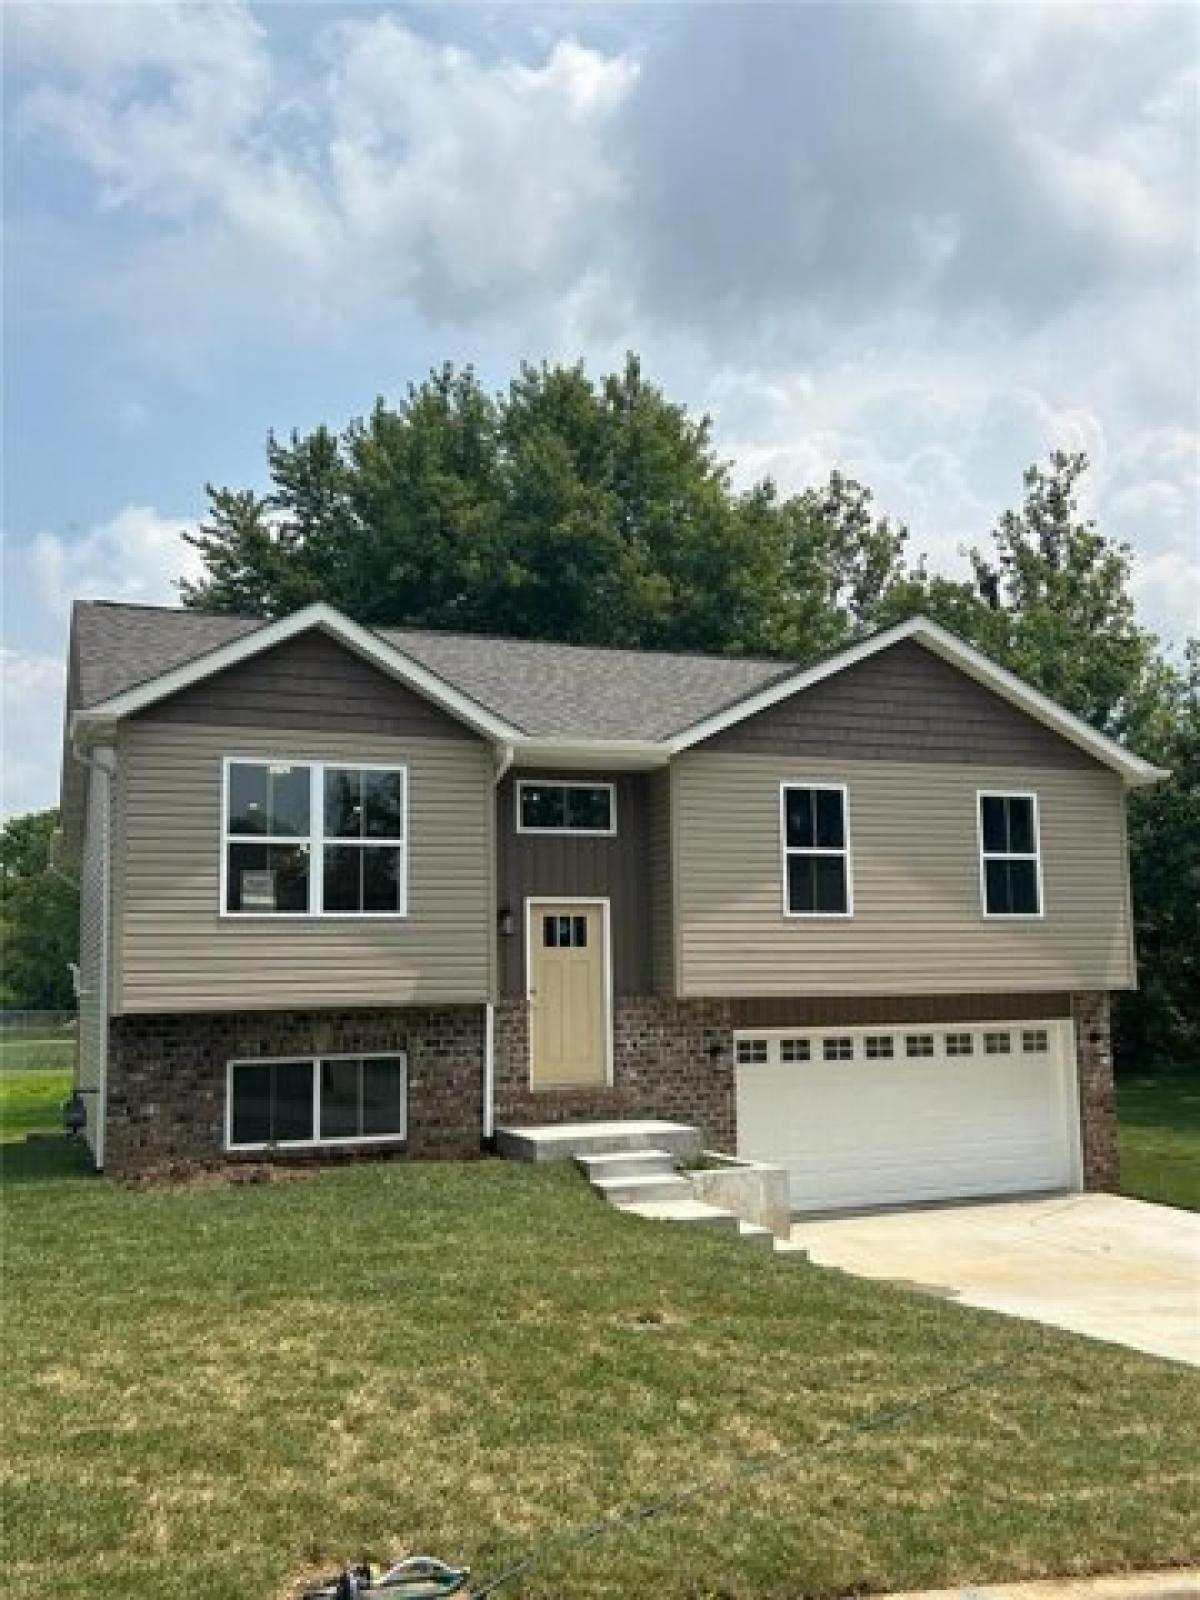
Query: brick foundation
point(671, 1058)
point(1097, 1107)
point(166, 1076)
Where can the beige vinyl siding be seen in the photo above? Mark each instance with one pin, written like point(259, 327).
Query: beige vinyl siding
point(176, 952)
point(917, 926)
point(662, 901)
point(93, 963)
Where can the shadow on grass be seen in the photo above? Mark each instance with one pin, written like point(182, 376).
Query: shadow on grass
point(41, 1156)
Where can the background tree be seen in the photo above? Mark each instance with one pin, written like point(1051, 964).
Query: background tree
point(39, 917)
point(564, 508)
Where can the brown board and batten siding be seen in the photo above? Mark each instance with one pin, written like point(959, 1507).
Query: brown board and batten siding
point(913, 746)
point(310, 681)
point(560, 865)
point(661, 884)
point(174, 951)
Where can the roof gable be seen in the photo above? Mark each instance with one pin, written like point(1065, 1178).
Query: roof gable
point(310, 681)
point(904, 703)
point(959, 654)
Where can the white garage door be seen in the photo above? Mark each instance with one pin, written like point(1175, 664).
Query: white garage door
point(888, 1115)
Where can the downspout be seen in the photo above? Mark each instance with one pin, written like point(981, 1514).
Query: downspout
point(103, 763)
point(503, 762)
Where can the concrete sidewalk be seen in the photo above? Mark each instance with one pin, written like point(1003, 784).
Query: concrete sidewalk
point(1177, 1585)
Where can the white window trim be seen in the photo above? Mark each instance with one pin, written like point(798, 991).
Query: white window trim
point(786, 850)
point(314, 840)
point(1010, 855)
point(569, 783)
point(315, 1063)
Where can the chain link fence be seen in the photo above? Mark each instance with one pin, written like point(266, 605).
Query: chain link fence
point(38, 1041)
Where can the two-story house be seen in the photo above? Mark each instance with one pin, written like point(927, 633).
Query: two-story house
point(382, 890)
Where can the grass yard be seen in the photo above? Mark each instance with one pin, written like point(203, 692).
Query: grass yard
point(1158, 1113)
point(213, 1391)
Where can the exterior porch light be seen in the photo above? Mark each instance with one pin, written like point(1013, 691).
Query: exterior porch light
point(505, 921)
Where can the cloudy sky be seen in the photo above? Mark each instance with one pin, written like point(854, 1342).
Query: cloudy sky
point(923, 243)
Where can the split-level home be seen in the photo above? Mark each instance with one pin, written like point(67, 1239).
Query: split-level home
point(353, 890)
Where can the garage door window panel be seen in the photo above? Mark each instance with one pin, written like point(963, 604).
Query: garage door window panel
point(815, 838)
point(1010, 855)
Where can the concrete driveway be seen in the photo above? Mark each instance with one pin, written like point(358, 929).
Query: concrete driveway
point(1097, 1264)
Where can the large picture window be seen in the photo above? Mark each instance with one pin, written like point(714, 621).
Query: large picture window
point(1010, 866)
point(816, 850)
point(314, 839)
point(328, 1100)
point(565, 806)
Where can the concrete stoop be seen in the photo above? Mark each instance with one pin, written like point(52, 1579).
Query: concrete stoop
point(632, 1165)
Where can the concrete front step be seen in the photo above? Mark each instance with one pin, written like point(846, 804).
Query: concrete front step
point(693, 1212)
point(751, 1233)
point(626, 1164)
point(566, 1140)
point(632, 1191)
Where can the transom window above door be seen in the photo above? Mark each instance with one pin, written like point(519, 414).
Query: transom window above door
point(816, 850)
point(566, 806)
point(314, 839)
point(1010, 855)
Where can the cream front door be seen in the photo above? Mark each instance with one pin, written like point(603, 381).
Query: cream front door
point(567, 994)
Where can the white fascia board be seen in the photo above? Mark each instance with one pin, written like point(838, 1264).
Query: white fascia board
point(582, 755)
point(973, 662)
point(353, 635)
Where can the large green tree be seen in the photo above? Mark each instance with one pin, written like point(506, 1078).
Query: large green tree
point(39, 917)
point(565, 507)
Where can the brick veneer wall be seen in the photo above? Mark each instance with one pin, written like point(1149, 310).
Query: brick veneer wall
point(1097, 1102)
point(671, 1058)
point(166, 1076)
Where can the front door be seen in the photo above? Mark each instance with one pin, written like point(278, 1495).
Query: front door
point(568, 987)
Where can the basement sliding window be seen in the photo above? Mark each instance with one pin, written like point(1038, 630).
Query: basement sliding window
point(314, 839)
point(331, 1100)
point(1010, 866)
point(816, 850)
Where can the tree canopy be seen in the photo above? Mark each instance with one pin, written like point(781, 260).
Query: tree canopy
point(39, 917)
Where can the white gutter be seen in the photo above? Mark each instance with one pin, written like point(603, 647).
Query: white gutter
point(504, 760)
point(103, 762)
point(489, 1068)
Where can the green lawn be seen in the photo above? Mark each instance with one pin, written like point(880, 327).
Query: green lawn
point(212, 1391)
point(1158, 1112)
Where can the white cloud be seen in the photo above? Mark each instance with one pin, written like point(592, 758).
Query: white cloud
point(395, 170)
point(136, 555)
point(32, 716)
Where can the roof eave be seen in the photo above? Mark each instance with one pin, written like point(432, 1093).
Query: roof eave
point(580, 754)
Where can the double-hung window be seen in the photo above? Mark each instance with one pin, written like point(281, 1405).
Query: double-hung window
point(314, 839)
point(1010, 866)
point(816, 850)
point(331, 1100)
